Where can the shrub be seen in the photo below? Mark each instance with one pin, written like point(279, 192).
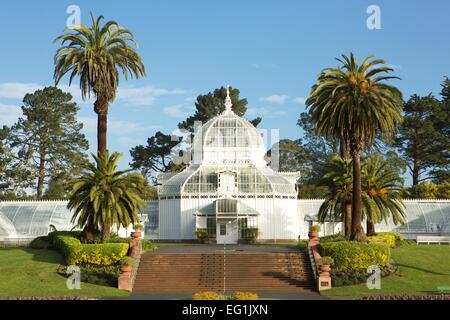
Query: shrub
point(250, 234)
point(385, 238)
point(355, 256)
point(314, 228)
point(127, 261)
point(102, 254)
point(68, 245)
point(333, 238)
point(244, 296)
point(147, 245)
point(40, 243)
point(339, 278)
point(398, 236)
point(208, 295)
point(77, 253)
point(117, 239)
point(100, 275)
point(138, 227)
point(202, 234)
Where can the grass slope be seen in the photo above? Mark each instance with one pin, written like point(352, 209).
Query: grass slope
point(27, 272)
point(421, 270)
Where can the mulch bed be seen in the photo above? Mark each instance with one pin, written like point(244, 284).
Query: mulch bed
point(428, 297)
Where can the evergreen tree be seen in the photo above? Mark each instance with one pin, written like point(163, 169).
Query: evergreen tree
point(155, 156)
point(47, 141)
point(212, 104)
point(420, 140)
point(55, 190)
point(440, 172)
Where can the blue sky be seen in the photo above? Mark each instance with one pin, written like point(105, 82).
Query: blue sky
point(271, 50)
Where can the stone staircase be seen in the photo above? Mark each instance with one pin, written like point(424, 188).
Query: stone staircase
point(194, 272)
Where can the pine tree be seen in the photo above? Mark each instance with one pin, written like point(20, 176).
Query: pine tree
point(47, 140)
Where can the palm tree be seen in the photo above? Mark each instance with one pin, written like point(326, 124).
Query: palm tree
point(381, 193)
point(338, 197)
point(104, 197)
point(353, 102)
point(384, 189)
point(95, 54)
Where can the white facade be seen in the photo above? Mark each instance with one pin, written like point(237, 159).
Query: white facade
point(228, 187)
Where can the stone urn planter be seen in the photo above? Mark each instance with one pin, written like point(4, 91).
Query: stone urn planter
point(313, 235)
point(125, 269)
point(325, 266)
point(136, 234)
point(138, 228)
point(126, 264)
point(325, 269)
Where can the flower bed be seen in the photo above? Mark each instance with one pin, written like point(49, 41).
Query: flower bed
point(211, 295)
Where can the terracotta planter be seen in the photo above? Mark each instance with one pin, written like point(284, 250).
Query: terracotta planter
point(324, 269)
point(125, 269)
point(313, 235)
point(136, 234)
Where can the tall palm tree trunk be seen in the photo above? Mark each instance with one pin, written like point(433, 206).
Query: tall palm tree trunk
point(101, 108)
point(348, 219)
point(357, 233)
point(106, 231)
point(370, 228)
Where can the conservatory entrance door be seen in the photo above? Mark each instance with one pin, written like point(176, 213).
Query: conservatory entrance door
point(227, 232)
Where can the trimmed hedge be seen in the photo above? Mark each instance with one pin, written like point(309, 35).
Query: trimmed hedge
point(40, 243)
point(75, 252)
point(355, 256)
point(333, 238)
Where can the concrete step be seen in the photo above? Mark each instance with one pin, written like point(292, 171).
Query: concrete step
point(257, 272)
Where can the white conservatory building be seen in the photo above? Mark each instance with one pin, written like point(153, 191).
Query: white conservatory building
point(228, 187)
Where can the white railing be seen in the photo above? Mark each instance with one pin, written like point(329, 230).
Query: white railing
point(313, 263)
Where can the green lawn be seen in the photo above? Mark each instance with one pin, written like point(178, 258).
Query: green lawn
point(27, 272)
point(421, 270)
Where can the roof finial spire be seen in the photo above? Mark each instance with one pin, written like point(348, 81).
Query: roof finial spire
point(228, 103)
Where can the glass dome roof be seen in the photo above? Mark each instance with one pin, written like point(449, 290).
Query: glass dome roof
point(227, 142)
point(228, 139)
